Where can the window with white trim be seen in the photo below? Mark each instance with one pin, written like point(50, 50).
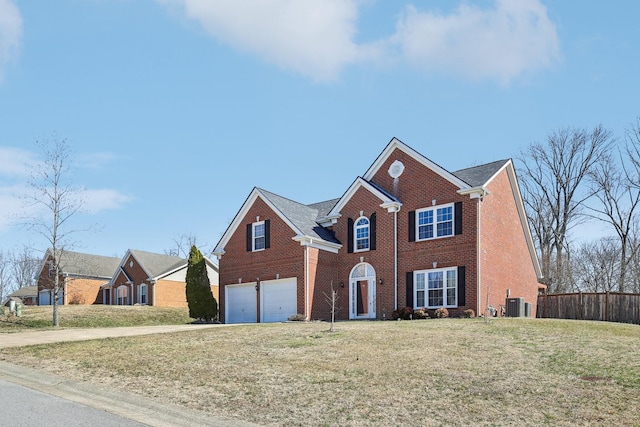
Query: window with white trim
point(436, 288)
point(361, 232)
point(259, 238)
point(434, 222)
point(143, 294)
point(122, 295)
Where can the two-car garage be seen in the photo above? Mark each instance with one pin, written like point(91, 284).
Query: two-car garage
point(277, 301)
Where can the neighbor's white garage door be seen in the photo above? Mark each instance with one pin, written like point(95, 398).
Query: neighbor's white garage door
point(278, 300)
point(240, 303)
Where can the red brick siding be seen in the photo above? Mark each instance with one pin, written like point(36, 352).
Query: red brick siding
point(284, 258)
point(506, 261)
point(416, 188)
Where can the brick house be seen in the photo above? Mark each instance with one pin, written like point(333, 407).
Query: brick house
point(81, 276)
point(148, 278)
point(405, 233)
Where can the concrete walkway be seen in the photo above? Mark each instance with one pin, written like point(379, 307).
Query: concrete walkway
point(131, 406)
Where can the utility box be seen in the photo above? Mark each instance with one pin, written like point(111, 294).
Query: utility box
point(527, 309)
point(515, 307)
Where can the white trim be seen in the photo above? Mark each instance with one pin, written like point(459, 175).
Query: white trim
point(317, 243)
point(397, 144)
point(426, 287)
point(355, 234)
point(140, 287)
point(371, 291)
point(355, 186)
point(434, 209)
point(253, 236)
point(242, 213)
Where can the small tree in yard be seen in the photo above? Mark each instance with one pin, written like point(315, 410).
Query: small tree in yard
point(332, 300)
point(202, 304)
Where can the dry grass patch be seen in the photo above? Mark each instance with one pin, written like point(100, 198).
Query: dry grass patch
point(94, 316)
point(432, 372)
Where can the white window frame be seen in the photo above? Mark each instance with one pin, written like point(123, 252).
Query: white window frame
point(434, 212)
point(362, 227)
point(449, 282)
point(125, 288)
point(254, 237)
point(143, 287)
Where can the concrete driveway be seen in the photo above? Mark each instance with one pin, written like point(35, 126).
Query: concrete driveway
point(133, 407)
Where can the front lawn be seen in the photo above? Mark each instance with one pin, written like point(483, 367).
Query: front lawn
point(437, 372)
point(93, 316)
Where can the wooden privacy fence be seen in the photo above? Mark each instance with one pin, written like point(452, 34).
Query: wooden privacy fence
point(605, 306)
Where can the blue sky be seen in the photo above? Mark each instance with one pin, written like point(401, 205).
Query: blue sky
point(176, 109)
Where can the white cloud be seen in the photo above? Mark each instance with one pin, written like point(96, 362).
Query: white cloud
point(311, 37)
point(15, 162)
point(10, 32)
point(98, 200)
point(316, 37)
point(11, 206)
point(503, 43)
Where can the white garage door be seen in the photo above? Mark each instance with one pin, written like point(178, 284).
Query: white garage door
point(278, 300)
point(240, 303)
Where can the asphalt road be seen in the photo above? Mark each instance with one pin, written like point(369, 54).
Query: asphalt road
point(30, 397)
point(22, 406)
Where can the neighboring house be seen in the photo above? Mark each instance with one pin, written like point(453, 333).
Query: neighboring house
point(81, 276)
point(147, 278)
point(406, 233)
point(27, 295)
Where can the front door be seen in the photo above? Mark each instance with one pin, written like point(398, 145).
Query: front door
point(362, 292)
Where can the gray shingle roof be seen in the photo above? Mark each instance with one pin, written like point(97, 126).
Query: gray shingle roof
point(27, 291)
point(477, 176)
point(158, 264)
point(89, 265)
point(304, 217)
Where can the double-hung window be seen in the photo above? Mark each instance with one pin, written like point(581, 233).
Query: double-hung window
point(122, 295)
point(434, 222)
point(362, 234)
point(143, 297)
point(259, 238)
point(436, 288)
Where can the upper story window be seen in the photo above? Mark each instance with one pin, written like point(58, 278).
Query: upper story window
point(361, 232)
point(434, 222)
point(258, 236)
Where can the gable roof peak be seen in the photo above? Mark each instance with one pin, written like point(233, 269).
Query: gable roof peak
point(396, 144)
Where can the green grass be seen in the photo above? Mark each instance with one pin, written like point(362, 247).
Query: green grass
point(429, 372)
point(93, 316)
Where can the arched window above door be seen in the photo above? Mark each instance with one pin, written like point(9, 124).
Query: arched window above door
point(363, 271)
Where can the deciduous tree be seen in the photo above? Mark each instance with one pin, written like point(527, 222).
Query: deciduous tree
point(52, 205)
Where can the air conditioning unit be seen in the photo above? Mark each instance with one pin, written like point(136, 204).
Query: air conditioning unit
point(515, 307)
point(527, 309)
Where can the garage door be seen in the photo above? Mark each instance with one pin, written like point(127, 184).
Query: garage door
point(44, 297)
point(278, 300)
point(240, 303)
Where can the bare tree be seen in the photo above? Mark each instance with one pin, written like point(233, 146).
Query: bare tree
point(5, 276)
point(25, 266)
point(332, 300)
point(619, 202)
point(53, 203)
point(596, 265)
point(554, 181)
point(183, 244)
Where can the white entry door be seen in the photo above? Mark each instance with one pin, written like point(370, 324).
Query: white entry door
point(241, 304)
point(278, 300)
point(362, 292)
